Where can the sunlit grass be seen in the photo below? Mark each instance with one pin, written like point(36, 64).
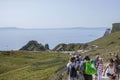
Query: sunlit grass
point(108, 46)
point(31, 65)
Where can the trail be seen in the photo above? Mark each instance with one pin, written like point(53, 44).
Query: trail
point(103, 78)
point(13, 71)
point(63, 76)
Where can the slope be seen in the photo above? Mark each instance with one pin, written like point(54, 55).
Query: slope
point(108, 46)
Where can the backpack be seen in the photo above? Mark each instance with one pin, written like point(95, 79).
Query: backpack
point(90, 68)
point(82, 66)
point(73, 72)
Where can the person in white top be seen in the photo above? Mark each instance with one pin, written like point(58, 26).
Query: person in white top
point(72, 75)
point(110, 70)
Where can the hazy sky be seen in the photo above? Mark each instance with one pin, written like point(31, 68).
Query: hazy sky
point(59, 13)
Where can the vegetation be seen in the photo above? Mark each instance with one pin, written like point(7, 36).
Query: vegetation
point(68, 47)
point(19, 65)
point(31, 64)
point(108, 46)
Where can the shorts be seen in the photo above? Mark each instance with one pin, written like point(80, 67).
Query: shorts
point(88, 77)
point(111, 75)
point(118, 69)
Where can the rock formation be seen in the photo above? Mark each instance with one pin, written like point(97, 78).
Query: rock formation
point(107, 32)
point(33, 46)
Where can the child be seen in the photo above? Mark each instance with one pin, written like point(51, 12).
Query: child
point(100, 68)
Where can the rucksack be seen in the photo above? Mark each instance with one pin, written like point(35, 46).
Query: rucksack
point(73, 72)
point(90, 68)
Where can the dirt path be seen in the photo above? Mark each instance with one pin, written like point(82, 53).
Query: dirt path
point(64, 77)
point(103, 78)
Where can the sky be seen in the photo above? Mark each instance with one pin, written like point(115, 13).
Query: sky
point(59, 13)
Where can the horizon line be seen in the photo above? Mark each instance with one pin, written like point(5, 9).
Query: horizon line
point(50, 27)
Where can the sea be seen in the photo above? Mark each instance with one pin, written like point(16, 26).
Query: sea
point(15, 38)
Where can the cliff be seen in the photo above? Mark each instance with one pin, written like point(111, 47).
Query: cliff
point(107, 32)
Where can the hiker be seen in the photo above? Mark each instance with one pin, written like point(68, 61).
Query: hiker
point(80, 74)
point(77, 59)
point(72, 69)
point(82, 64)
point(117, 65)
point(96, 64)
point(79, 69)
point(100, 69)
point(110, 70)
point(96, 61)
point(86, 76)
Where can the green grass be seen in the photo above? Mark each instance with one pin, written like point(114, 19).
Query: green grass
point(18, 65)
point(111, 40)
point(31, 65)
point(108, 46)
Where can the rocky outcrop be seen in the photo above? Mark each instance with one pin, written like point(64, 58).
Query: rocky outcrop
point(107, 32)
point(46, 46)
point(115, 27)
point(33, 46)
point(68, 47)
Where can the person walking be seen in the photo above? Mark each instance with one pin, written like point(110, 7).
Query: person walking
point(100, 69)
point(96, 64)
point(72, 69)
point(86, 76)
point(110, 70)
point(117, 65)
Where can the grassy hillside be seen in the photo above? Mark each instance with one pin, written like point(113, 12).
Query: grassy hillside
point(113, 38)
point(68, 47)
point(18, 65)
point(108, 46)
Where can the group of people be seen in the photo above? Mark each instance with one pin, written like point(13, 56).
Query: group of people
point(84, 68)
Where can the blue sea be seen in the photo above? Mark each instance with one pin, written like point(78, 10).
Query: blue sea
point(14, 39)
